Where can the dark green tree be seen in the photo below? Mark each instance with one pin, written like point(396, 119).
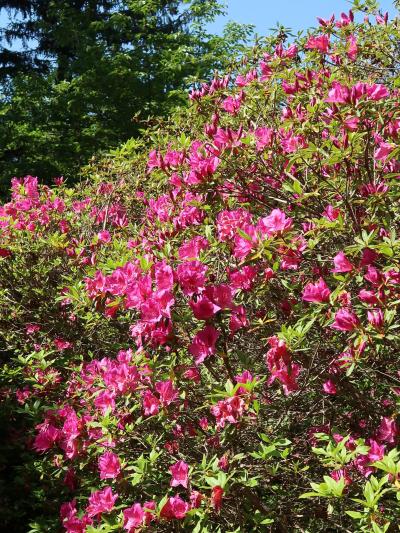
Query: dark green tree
point(80, 76)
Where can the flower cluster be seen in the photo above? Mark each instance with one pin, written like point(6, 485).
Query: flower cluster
point(176, 326)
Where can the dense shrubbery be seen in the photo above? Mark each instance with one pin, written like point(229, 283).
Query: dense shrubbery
point(206, 338)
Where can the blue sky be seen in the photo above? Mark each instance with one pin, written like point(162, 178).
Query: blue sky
point(264, 14)
point(296, 14)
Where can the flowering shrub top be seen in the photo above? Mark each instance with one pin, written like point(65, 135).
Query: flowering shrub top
point(200, 332)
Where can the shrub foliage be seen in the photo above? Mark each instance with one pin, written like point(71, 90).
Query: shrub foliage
point(204, 336)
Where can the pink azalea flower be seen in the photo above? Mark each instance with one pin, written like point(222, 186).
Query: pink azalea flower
point(104, 236)
point(320, 42)
point(229, 410)
point(191, 277)
point(168, 393)
point(341, 473)
point(203, 344)
point(180, 474)
point(238, 319)
point(275, 223)
point(383, 151)
point(101, 501)
point(133, 517)
point(105, 400)
point(388, 430)
point(352, 48)
point(329, 387)
point(46, 438)
point(109, 465)
point(175, 507)
point(191, 249)
point(345, 320)
point(61, 344)
point(316, 292)
point(150, 403)
point(243, 278)
point(375, 318)
point(342, 264)
point(368, 297)
point(338, 94)
point(377, 92)
point(203, 308)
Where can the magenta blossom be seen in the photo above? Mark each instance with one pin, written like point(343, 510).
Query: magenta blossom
point(101, 501)
point(109, 465)
point(329, 387)
point(133, 517)
point(191, 277)
point(316, 292)
point(320, 43)
point(376, 318)
point(175, 507)
point(203, 344)
point(345, 320)
point(275, 223)
point(180, 474)
point(168, 393)
point(342, 264)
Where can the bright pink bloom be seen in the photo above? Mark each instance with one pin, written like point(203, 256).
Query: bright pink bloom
point(345, 320)
point(180, 474)
point(150, 404)
point(275, 223)
point(238, 319)
point(320, 42)
point(263, 137)
point(339, 94)
point(342, 264)
point(133, 517)
point(101, 501)
point(203, 308)
point(388, 430)
point(105, 400)
point(46, 438)
point(195, 499)
point(243, 278)
point(341, 473)
point(280, 365)
point(229, 410)
point(168, 393)
point(191, 249)
point(316, 292)
point(383, 151)
point(109, 465)
point(232, 104)
point(175, 507)
point(375, 318)
point(221, 295)
point(368, 297)
point(104, 236)
point(203, 344)
point(376, 451)
point(331, 213)
point(30, 329)
point(245, 242)
point(61, 344)
point(229, 221)
point(192, 374)
point(329, 387)
point(377, 92)
point(352, 48)
point(191, 277)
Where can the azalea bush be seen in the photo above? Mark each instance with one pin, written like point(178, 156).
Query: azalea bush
point(204, 335)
